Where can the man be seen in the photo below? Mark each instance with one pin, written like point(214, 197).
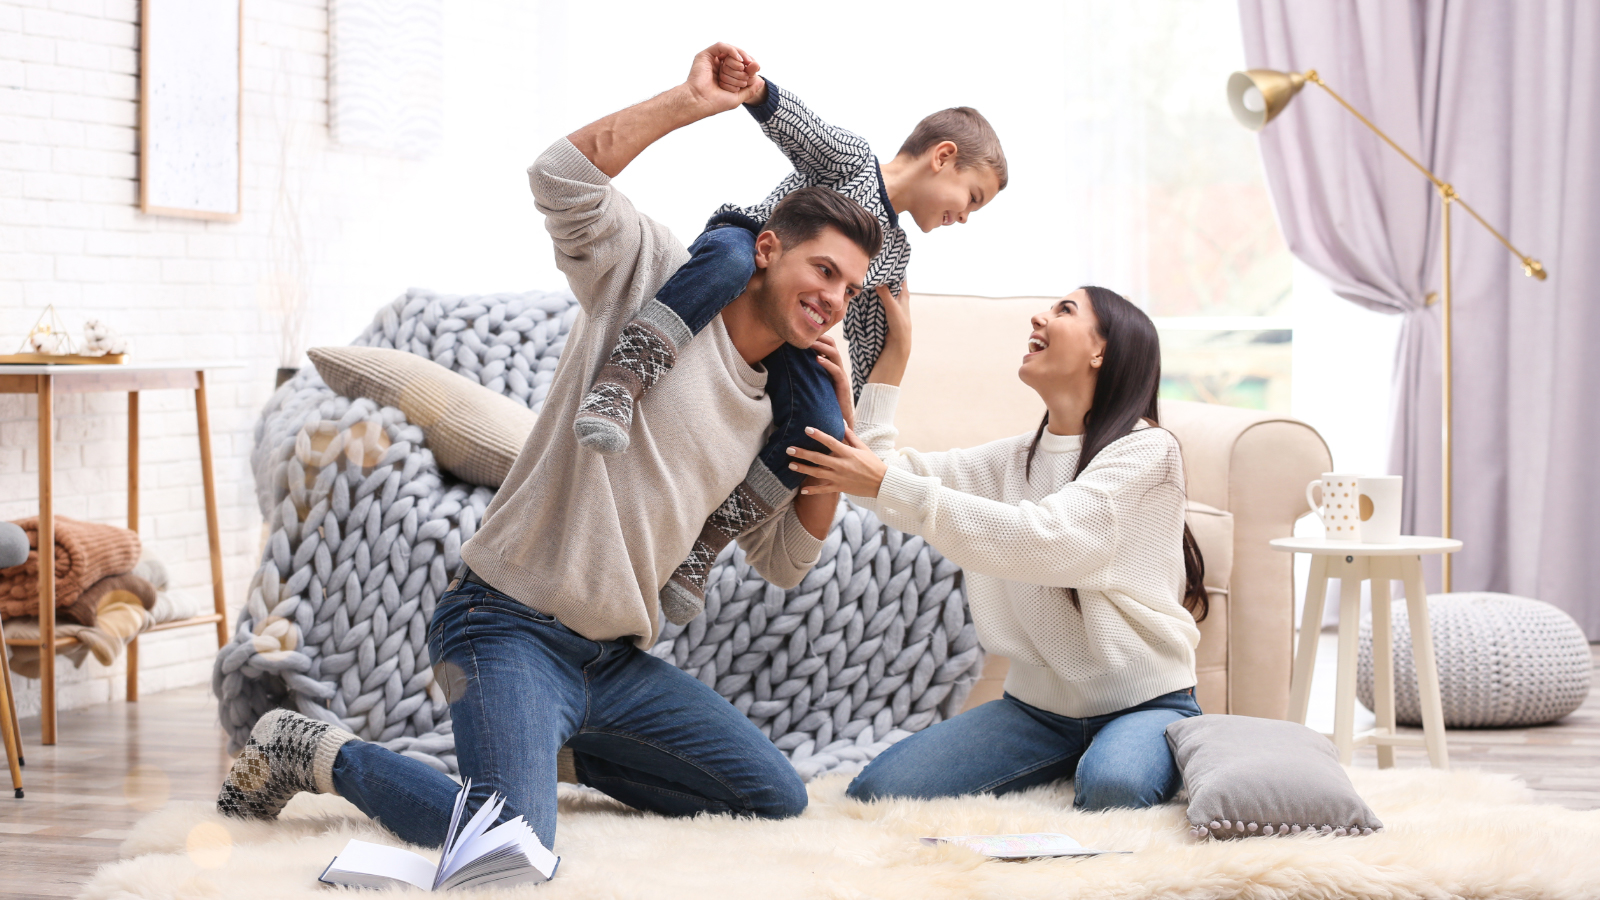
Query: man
point(541, 643)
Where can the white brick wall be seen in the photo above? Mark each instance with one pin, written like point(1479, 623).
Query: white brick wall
point(71, 234)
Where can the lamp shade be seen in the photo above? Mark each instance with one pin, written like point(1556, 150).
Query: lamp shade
point(1258, 95)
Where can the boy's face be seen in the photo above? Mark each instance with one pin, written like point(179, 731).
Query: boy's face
point(805, 288)
point(948, 195)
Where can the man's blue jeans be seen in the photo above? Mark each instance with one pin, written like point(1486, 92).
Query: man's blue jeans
point(521, 685)
point(1117, 760)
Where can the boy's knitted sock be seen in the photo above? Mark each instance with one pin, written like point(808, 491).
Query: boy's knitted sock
point(751, 503)
point(287, 753)
point(646, 350)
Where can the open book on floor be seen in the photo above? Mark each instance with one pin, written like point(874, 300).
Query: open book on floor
point(477, 855)
point(1019, 846)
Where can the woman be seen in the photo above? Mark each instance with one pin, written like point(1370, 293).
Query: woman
point(1080, 568)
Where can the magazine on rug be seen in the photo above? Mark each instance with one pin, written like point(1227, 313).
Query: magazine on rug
point(1019, 846)
point(478, 855)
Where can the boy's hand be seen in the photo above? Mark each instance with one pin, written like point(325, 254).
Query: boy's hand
point(706, 84)
point(891, 365)
point(737, 72)
point(833, 363)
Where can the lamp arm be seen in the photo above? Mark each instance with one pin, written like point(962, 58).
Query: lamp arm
point(1530, 266)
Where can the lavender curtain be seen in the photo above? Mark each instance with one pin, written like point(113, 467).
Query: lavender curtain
point(1502, 99)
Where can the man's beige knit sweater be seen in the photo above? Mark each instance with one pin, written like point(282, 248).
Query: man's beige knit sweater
point(591, 539)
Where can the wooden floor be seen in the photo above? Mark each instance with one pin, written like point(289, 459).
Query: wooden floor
point(114, 764)
point(1561, 761)
point(117, 761)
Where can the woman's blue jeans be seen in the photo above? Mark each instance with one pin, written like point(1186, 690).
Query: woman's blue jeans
point(521, 685)
point(1117, 760)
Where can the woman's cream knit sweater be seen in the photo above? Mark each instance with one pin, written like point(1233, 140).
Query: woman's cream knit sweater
point(1115, 533)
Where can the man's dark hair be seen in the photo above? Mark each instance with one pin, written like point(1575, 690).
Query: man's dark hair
point(802, 214)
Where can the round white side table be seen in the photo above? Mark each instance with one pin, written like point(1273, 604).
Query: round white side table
point(1353, 562)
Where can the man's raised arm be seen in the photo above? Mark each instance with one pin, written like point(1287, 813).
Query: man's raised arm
point(613, 142)
point(611, 253)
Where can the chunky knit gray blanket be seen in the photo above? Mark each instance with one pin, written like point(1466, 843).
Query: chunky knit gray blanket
point(364, 531)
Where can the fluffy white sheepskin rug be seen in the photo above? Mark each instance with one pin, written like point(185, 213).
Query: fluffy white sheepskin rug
point(1450, 834)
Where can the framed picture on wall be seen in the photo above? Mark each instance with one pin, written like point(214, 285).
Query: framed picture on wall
point(190, 111)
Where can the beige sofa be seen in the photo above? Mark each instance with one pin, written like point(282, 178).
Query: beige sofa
point(1246, 473)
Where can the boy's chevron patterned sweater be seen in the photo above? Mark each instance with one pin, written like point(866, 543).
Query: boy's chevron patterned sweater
point(829, 156)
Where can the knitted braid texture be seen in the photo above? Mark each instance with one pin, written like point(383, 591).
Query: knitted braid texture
point(1503, 661)
point(364, 531)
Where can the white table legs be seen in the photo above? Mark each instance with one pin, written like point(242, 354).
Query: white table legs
point(1427, 669)
point(1305, 659)
point(1383, 660)
point(1351, 570)
point(1351, 574)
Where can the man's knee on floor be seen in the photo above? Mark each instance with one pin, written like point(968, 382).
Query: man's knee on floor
point(785, 798)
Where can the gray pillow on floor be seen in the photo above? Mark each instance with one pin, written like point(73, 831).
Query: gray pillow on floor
point(1248, 776)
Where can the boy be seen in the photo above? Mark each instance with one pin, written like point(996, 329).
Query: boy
point(950, 167)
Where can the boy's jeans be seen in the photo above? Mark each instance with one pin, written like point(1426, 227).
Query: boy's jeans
point(1118, 760)
point(721, 262)
point(521, 685)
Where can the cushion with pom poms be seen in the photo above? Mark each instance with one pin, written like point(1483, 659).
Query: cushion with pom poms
point(1247, 776)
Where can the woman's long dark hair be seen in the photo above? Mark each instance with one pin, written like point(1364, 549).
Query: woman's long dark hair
point(1130, 377)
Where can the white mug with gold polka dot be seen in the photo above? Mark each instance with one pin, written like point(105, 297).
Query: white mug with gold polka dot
point(1340, 509)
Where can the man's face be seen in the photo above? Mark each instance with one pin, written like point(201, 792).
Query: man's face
point(804, 288)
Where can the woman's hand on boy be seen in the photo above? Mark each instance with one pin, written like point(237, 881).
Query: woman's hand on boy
point(848, 467)
point(891, 365)
point(832, 361)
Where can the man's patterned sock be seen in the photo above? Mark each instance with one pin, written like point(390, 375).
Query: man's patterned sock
point(646, 350)
point(287, 753)
point(751, 503)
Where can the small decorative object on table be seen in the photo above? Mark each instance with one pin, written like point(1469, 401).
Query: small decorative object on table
point(99, 340)
point(49, 343)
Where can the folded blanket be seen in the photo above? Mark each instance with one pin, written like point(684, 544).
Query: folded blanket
point(169, 605)
point(120, 612)
point(84, 610)
point(84, 554)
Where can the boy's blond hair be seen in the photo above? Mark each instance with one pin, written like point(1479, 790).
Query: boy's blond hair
point(975, 140)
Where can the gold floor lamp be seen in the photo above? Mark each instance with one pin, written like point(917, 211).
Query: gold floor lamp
point(1257, 96)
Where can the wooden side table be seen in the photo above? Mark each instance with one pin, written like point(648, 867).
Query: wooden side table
point(46, 381)
point(1352, 562)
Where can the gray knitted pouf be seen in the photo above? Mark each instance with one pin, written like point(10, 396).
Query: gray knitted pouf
point(364, 530)
point(1503, 661)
